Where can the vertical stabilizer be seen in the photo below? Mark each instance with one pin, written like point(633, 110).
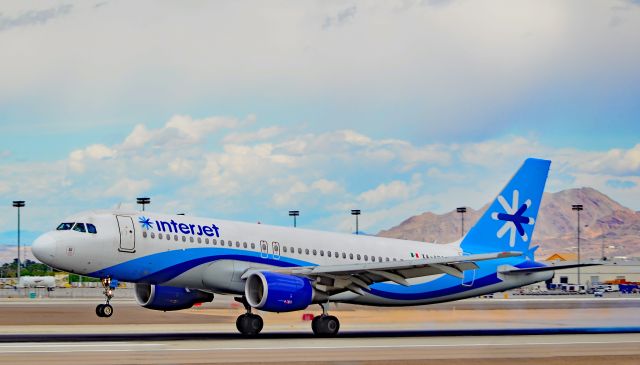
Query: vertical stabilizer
point(509, 222)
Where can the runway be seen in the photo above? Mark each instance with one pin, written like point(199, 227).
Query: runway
point(560, 331)
point(563, 349)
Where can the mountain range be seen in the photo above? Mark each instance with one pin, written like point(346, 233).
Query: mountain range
point(605, 224)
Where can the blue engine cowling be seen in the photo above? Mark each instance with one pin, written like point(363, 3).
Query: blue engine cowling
point(168, 298)
point(274, 292)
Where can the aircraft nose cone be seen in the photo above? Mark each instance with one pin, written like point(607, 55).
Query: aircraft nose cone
point(44, 248)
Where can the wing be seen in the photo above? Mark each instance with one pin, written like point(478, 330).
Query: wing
point(357, 277)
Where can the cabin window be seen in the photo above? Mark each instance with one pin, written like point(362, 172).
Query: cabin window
point(79, 227)
point(351, 256)
point(336, 255)
point(321, 252)
point(206, 240)
point(175, 237)
point(315, 253)
point(199, 239)
point(306, 251)
point(329, 253)
point(373, 258)
point(184, 238)
point(358, 256)
point(394, 259)
point(64, 226)
point(144, 234)
point(284, 248)
point(153, 235)
point(386, 259)
point(253, 246)
point(238, 244)
point(191, 239)
point(214, 241)
point(159, 236)
point(229, 243)
point(380, 259)
point(244, 245)
point(91, 228)
point(221, 242)
point(168, 237)
point(344, 255)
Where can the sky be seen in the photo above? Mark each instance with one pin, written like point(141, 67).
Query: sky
point(244, 110)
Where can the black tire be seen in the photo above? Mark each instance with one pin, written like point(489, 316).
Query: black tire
point(314, 324)
point(327, 326)
point(99, 310)
point(240, 322)
point(249, 324)
point(107, 310)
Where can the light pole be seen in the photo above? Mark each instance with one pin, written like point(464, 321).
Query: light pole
point(18, 204)
point(356, 212)
point(294, 214)
point(462, 210)
point(143, 202)
point(578, 208)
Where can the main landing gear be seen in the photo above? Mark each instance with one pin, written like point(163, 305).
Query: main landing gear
point(106, 310)
point(325, 325)
point(248, 324)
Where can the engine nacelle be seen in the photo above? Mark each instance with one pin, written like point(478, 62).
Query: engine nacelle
point(274, 292)
point(168, 298)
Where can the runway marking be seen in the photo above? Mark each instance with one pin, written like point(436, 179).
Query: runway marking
point(55, 344)
point(73, 347)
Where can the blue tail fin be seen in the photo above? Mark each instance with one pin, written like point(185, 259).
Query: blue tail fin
point(508, 223)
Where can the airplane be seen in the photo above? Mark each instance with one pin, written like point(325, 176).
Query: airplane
point(177, 261)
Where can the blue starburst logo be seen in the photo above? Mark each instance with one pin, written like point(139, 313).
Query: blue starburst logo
point(145, 222)
point(513, 218)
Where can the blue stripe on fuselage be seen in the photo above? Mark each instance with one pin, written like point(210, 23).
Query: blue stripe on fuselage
point(164, 266)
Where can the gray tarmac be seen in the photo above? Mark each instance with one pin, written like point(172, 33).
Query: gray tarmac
point(479, 331)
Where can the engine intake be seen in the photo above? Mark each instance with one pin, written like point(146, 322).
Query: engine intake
point(274, 292)
point(168, 298)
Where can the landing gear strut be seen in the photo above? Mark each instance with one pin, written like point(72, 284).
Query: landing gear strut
point(325, 325)
point(248, 324)
point(105, 310)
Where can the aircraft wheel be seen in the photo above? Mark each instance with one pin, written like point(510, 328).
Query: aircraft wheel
point(249, 324)
point(99, 310)
point(326, 326)
point(107, 310)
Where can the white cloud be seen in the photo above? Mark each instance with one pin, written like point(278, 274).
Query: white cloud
point(326, 187)
point(128, 188)
point(394, 191)
point(178, 131)
point(247, 137)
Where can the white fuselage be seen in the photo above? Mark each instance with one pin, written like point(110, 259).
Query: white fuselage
point(212, 254)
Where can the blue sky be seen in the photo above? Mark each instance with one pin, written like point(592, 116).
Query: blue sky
point(241, 110)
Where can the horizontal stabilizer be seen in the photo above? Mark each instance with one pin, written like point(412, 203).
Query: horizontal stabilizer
point(546, 268)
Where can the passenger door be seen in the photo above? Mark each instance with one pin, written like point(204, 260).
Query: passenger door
point(127, 234)
point(264, 249)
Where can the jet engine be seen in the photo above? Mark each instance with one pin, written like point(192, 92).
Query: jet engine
point(168, 298)
point(275, 292)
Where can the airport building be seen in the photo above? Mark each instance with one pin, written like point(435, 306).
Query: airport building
point(616, 270)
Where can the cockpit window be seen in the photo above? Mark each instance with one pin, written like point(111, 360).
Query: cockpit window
point(64, 226)
point(79, 227)
point(91, 228)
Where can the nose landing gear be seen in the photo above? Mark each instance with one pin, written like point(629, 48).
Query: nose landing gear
point(248, 324)
point(325, 325)
point(106, 310)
